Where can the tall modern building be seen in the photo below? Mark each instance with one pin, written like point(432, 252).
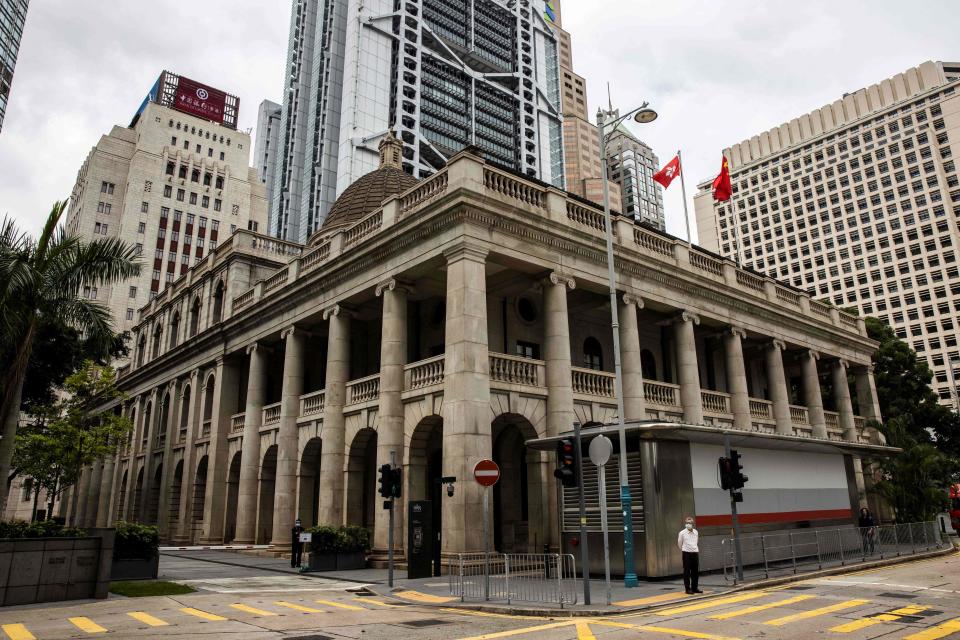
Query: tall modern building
point(266, 143)
point(13, 14)
point(631, 165)
point(858, 203)
point(176, 183)
point(442, 74)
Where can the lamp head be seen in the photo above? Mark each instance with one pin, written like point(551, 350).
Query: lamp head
point(645, 115)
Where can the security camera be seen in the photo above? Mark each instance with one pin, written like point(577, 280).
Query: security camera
point(450, 490)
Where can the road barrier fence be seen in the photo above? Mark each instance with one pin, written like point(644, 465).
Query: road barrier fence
point(514, 577)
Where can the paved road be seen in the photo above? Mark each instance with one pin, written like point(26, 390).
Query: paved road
point(916, 601)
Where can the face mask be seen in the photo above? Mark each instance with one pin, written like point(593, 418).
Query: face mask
point(689, 527)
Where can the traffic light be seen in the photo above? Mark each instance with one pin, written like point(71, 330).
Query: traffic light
point(726, 471)
point(566, 470)
point(385, 481)
point(396, 483)
point(737, 477)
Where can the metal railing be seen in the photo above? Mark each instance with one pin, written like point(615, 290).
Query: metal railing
point(813, 549)
point(522, 577)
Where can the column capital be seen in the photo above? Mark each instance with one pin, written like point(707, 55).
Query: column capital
point(463, 251)
point(195, 374)
point(558, 278)
point(813, 354)
point(735, 330)
point(337, 311)
point(256, 346)
point(840, 362)
point(394, 284)
point(293, 329)
point(778, 344)
point(630, 299)
point(688, 316)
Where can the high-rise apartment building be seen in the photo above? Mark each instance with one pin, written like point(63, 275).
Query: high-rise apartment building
point(175, 183)
point(442, 74)
point(631, 165)
point(266, 143)
point(858, 202)
point(13, 15)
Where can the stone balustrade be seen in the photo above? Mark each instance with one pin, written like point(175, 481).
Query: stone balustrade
point(276, 280)
point(661, 393)
point(706, 263)
point(715, 402)
point(425, 373)
point(237, 422)
point(433, 187)
point(363, 390)
point(593, 383)
point(516, 370)
point(205, 428)
point(311, 404)
point(799, 415)
point(512, 187)
point(761, 410)
point(271, 414)
point(586, 216)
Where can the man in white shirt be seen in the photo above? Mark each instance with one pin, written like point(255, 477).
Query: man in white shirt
point(689, 543)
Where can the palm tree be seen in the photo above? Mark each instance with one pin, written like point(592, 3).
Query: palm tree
point(41, 280)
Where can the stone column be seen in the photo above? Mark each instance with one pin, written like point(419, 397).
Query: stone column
point(333, 454)
point(285, 487)
point(688, 371)
point(634, 404)
point(737, 378)
point(393, 357)
point(156, 412)
point(166, 473)
point(248, 488)
point(868, 403)
point(92, 497)
point(105, 499)
point(777, 383)
point(841, 396)
point(466, 396)
point(812, 394)
point(184, 531)
point(133, 463)
point(225, 399)
point(78, 505)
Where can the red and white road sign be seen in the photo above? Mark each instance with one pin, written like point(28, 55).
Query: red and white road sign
point(486, 473)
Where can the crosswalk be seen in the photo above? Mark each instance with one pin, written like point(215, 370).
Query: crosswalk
point(236, 612)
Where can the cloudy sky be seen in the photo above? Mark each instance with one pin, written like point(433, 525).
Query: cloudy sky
point(717, 71)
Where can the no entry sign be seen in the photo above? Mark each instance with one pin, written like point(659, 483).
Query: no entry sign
point(486, 473)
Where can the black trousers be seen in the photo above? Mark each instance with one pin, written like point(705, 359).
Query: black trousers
point(296, 555)
point(691, 570)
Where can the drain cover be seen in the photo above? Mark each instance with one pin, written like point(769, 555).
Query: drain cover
point(904, 596)
point(416, 624)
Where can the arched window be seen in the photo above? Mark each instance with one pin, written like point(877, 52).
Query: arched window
point(174, 330)
point(219, 182)
point(592, 354)
point(170, 168)
point(157, 334)
point(218, 302)
point(141, 350)
point(195, 317)
point(648, 364)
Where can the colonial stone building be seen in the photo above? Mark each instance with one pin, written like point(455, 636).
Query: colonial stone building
point(444, 321)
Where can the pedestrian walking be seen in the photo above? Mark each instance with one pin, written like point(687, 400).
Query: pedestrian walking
point(689, 543)
point(296, 551)
point(868, 531)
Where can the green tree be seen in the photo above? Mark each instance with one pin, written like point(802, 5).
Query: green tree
point(41, 280)
point(68, 436)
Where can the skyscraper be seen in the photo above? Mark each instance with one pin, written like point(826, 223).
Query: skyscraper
point(632, 164)
point(857, 202)
point(13, 14)
point(267, 142)
point(442, 74)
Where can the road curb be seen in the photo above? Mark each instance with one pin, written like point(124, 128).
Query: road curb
point(308, 574)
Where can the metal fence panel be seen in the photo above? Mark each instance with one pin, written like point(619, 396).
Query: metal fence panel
point(521, 577)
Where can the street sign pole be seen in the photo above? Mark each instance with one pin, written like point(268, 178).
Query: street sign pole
point(584, 552)
point(393, 462)
point(738, 550)
point(601, 448)
point(486, 545)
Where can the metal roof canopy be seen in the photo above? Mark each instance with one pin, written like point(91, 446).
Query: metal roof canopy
point(705, 434)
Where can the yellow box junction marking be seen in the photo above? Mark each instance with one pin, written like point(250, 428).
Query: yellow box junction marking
point(657, 629)
point(584, 632)
point(148, 619)
point(639, 602)
point(806, 615)
point(760, 607)
point(417, 596)
point(379, 603)
point(17, 632)
point(202, 614)
point(297, 607)
point(520, 632)
point(86, 624)
point(340, 605)
point(699, 606)
point(253, 610)
point(939, 631)
point(891, 616)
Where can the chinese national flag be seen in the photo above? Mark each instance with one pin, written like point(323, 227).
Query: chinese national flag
point(722, 189)
point(667, 175)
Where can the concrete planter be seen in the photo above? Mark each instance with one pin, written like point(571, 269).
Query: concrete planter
point(135, 568)
point(337, 561)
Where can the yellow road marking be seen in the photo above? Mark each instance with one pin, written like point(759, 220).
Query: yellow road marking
point(417, 596)
point(760, 607)
point(340, 605)
point(666, 597)
point(892, 616)
point(87, 625)
point(912, 610)
point(840, 606)
point(146, 618)
point(297, 607)
point(253, 610)
point(584, 632)
point(202, 614)
point(17, 632)
point(710, 603)
point(519, 632)
point(940, 631)
point(380, 603)
point(486, 614)
point(667, 630)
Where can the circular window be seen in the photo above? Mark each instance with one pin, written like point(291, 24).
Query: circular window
point(527, 310)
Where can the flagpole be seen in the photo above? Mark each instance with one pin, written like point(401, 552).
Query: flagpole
point(683, 186)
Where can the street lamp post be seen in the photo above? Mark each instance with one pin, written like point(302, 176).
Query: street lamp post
point(613, 119)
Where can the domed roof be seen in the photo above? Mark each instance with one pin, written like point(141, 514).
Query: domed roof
point(366, 195)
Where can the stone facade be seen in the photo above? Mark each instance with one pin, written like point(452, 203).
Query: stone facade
point(456, 321)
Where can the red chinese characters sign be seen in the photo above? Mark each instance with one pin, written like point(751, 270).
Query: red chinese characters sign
point(200, 100)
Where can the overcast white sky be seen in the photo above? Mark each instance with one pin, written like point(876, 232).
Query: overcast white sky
point(717, 71)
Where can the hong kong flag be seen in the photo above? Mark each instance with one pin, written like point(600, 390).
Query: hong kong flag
point(669, 172)
point(722, 188)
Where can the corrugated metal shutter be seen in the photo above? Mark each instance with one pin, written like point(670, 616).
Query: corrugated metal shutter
point(591, 494)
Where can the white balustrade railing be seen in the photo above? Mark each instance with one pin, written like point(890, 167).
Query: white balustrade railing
point(750, 281)
point(593, 383)
point(513, 187)
point(799, 415)
point(706, 263)
point(652, 242)
point(515, 370)
point(425, 373)
point(661, 393)
point(205, 428)
point(312, 403)
point(761, 409)
point(363, 390)
point(271, 414)
point(834, 432)
point(715, 401)
point(237, 422)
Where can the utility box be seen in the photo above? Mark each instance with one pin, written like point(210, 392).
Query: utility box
point(420, 539)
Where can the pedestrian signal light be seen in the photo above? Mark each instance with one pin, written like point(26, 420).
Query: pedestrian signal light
point(566, 470)
point(385, 481)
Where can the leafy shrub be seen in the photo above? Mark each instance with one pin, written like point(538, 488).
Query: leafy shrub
point(135, 541)
point(351, 539)
point(14, 529)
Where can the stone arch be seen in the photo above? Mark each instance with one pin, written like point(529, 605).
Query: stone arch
point(176, 494)
point(519, 503)
point(208, 393)
point(233, 498)
point(194, 316)
point(532, 408)
point(423, 469)
point(174, 338)
point(592, 354)
point(594, 412)
point(219, 292)
point(199, 501)
point(362, 479)
point(268, 483)
point(157, 338)
point(308, 507)
point(141, 350)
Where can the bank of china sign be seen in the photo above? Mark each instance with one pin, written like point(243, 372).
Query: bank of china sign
point(200, 100)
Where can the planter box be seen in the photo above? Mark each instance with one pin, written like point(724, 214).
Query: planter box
point(337, 561)
point(135, 568)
